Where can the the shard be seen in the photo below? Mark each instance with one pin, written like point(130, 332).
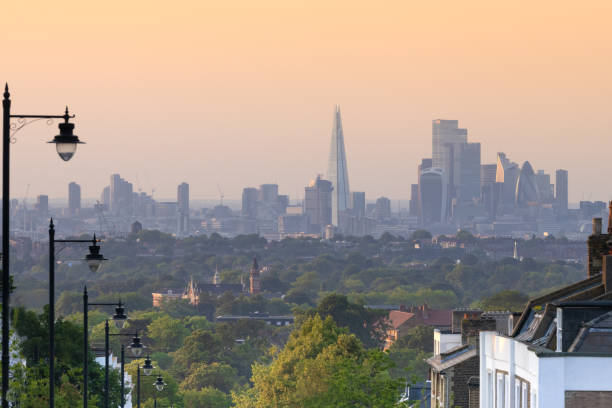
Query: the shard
point(338, 172)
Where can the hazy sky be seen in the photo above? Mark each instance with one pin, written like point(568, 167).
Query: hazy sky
point(242, 92)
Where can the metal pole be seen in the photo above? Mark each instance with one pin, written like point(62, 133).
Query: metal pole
point(6, 203)
point(51, 315)
point(122, 376)
point(106, 391)
point(138, 380)
point(85, 346)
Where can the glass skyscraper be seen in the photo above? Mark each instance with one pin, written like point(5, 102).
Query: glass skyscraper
point(338, 172)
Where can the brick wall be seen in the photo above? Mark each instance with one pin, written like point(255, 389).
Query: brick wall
point(590, 399)
point(462, 373)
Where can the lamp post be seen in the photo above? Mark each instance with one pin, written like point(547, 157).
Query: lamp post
point(159, 386)
point(93, 259)
point(119, 318)
point(147, 368)
point(136, 349)
point(66, 144)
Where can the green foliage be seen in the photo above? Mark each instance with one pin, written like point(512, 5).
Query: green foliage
point(206, 398)
point(511, 300)
point(322, 366)
point(199, 346)
point(421, 234)
point(216, 375)
point(167, 333)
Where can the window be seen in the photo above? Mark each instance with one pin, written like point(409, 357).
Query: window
point(500, 400)
point(490, 389)
point(517, 393)
point(525, 395)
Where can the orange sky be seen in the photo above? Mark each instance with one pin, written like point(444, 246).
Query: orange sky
point(242, 92)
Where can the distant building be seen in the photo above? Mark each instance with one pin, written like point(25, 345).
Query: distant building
point(527, 193)
point(561, 190)
point(401, 321)
point(432, 196)
point(468, 182)
point(42, 205)
point(250, 196)
point(545, 188)
point(337, 173)
point(121, 195)
point(318, 204)
point(255, 278)
point(507, 174)
point(74, 197)
point(358, 203)
point(413, 209)
point(105, 197)
point(383, 209)
point(182, 198)
point(271, 320)
point(160, 297)
point(445, 132)
point(136, 227)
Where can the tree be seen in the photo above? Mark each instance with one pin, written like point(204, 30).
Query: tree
point(207, 397)
point(217, 375)
point(506, 300)
point(168, 333)
point(367, 324)
point(322, 366)
point(199, 346)
point(421, 234)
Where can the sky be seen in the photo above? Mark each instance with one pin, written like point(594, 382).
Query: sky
point(228, 94)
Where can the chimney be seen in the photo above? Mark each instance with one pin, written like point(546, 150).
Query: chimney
point(610, 218)
point(606, 273)
point(470, 329)
point(597, 226)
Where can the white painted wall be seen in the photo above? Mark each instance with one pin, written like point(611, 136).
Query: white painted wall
point(549, 377)
point(445, 341)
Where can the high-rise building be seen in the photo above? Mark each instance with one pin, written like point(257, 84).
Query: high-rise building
point(250, 196)
point(182, 198)
point(413, 209)
point(425, 164)
point(432, 196)
point(545, 188)
point(74, 197)
point(318, 204)
point(338, 171)
point(268, 194)
point(507, 174)
point(526, 187)
point(561, 190)
point(358, 203)
point(105, 197)
point(383, 209)
point(121, 195)
point(467, 184)
point(490, 189)
point(42, 205)
point(444, 132)
point(487, 173)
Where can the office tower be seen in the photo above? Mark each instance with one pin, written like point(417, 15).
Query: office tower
point(487, 173)
point(105, 197)
point(74, 197)
point(445, 132)
point(545, 188)
point(490, 189)
point(425, 164)
point(358, 203)
point(268, 194)
point(413, 210)
point(182, 199)
point(250, 196)
point(121, 195)
point(318, 204)
point(383, 209)
point(338, 172)
point(282, 202)
point(42, 205)
point(467, 184)
point(507, 174)
point(526, 187)
point(432, 196)
point(561, 188)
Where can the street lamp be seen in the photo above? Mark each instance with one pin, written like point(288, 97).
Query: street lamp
point(136, 346)
point(120, 318)
point(159, 385)
point(147, 368)
point(65, 143)
point(120, 313)
point(52, 242)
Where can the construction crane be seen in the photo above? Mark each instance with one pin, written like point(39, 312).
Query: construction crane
point(220, 193)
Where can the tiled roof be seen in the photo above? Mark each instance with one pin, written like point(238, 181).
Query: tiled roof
point(398, 318)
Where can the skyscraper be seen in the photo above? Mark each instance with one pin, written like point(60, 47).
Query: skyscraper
point(443, 132)
point(249, 202)
point(358, 203)
point(561, 190)
point(42, 205)
point(507, 174)
point(318, 204)
point(74, 197)
point(121, 195)
point(467, 184)
point(432, 195)
point(383, 209)
point(527, 193)
point(338, 172)
point(182, 198)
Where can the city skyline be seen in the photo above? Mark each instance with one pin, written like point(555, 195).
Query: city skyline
point(202, 102)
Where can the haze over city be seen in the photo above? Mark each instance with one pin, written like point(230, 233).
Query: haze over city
point(240, 94)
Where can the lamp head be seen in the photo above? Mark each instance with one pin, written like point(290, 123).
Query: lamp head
point(159, 384)
point(136, 347)
point(120, 318)
point(66, 142)
point(94, 258)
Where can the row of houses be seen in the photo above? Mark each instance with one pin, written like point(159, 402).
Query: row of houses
point(556, 353)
